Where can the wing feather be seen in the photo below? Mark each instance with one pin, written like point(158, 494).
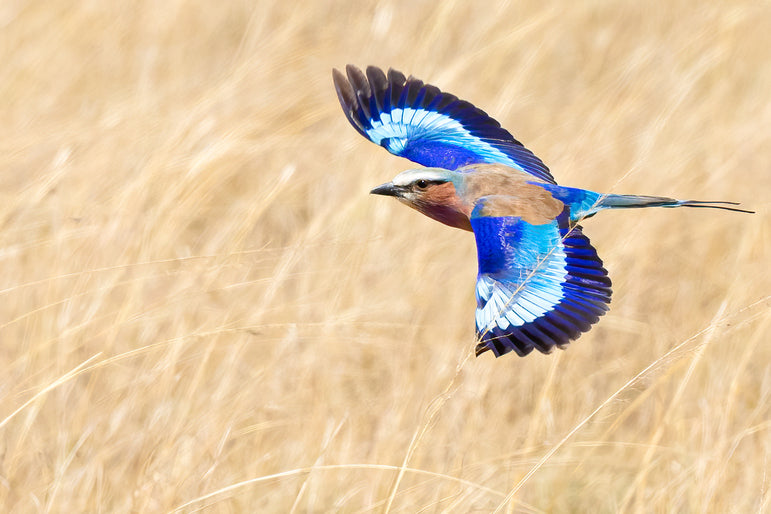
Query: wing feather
point(426, 125)
point(539, 286)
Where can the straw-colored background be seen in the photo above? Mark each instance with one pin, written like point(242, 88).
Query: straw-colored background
point(196, 289)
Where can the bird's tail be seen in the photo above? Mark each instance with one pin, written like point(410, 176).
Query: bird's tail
point(638, 201)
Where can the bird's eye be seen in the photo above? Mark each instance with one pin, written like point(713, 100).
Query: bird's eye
point(421, 184)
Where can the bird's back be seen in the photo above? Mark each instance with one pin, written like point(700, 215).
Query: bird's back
point(516, 193)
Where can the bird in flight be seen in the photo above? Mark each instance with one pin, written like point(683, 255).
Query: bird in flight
point(540, 282)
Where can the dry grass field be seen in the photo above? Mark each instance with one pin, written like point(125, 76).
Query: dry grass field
point(202, 309)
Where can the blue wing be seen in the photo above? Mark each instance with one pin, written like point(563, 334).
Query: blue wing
point(539, 286)
point(425, 125)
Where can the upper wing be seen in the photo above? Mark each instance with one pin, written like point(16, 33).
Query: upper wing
point(425, 125)
point(539, 286)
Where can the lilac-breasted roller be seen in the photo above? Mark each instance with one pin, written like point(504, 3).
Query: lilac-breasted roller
point(540, 282)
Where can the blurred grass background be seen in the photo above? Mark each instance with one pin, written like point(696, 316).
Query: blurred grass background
point(202, 308)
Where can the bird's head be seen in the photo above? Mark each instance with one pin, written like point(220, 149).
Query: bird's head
point(431, 191)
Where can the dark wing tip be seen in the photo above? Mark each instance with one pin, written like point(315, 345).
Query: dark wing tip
point(358, 80)
point(377, 78)
point(396, 77)
point(347, 96)
point(501, 343)
point(378, 83)
point(343, 87)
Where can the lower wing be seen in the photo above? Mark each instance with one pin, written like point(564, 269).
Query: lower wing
point(539, 286)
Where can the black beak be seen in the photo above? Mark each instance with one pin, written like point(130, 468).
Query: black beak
point(387, 189)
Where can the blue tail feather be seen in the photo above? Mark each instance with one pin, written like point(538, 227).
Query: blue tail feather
point(583, 203)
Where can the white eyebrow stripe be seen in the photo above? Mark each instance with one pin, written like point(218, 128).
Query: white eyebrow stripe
point(408, 177)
